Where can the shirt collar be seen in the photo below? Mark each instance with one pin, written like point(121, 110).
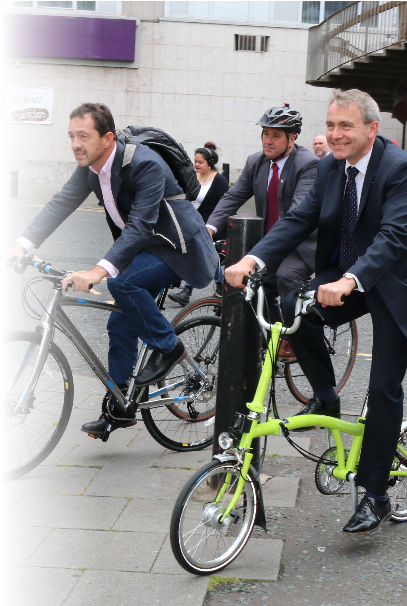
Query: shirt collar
point(107, 167)
point(280, 163)
point(362, 164)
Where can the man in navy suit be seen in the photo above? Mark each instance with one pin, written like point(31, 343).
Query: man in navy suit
point(359, 205)
point(157, 242)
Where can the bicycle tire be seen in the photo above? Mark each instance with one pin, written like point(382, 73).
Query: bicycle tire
point(397, 489)
point(296, 381)
point(195, 519)
point(209, 306)
point(184, 427)
point(42, 426)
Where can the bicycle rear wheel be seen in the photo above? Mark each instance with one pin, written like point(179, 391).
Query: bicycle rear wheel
point(189, 426)
point(342, 343)
point(200, 543)
point(397, 489)
point(210, 306)
point(31, 434)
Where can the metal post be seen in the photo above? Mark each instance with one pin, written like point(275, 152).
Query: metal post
point(240, 336)
point(225, 172)
point(14, 184)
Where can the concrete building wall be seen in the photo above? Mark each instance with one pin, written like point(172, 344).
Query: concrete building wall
point(191, 82)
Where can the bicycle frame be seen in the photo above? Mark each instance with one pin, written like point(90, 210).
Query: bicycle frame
point(344, 470)
point(53, 315)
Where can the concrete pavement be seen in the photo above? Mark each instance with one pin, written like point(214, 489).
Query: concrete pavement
point(91, 524)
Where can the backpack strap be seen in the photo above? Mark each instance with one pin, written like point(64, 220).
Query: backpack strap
point(177, 227)
point(129, 152)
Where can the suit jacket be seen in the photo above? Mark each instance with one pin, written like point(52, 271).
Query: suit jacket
point(381, 231)
point(297, 178)
point(148, 222)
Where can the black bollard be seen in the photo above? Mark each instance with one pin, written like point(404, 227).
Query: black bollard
point(14, 184)
point(240, 336)
point(225, 172)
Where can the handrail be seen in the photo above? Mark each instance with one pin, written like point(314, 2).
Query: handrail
point(354, 32)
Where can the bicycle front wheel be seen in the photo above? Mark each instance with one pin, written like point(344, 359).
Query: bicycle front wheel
point(342, 344)
point(189, 426)
point(202, 543)
point(31, 433)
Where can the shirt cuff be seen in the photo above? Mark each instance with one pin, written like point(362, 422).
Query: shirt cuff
point(214, 229)
point(359, 286)
point(113, 271)
point(26, 244)
point(261, 264)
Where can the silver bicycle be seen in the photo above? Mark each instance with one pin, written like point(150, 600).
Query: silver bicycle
point(178, 412)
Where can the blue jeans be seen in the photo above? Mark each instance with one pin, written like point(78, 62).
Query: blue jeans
point(134, 292)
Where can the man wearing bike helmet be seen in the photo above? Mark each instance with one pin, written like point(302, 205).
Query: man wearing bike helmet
point(279, 178)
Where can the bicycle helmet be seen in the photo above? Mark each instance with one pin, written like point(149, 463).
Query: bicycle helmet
point(282, 117)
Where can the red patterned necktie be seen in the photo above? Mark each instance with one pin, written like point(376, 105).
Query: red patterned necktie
point(272, 205)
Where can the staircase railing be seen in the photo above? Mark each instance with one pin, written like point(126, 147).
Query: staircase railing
point(354, 32)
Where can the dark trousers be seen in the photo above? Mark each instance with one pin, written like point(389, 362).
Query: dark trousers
point(291, 271)
point(134, 292)
point(389, 361)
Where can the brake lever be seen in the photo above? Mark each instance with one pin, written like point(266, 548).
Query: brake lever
point(310, 309)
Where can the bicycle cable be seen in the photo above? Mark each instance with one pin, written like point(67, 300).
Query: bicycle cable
point(272, 398)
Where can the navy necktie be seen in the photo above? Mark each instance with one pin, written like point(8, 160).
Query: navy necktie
point(348, 254)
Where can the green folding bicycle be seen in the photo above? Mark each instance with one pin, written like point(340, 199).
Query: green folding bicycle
point(215, 512)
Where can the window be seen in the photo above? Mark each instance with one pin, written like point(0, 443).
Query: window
point(80, 6)
point(333, 7)
point(286, 11)
point(310, 12)
point(251, 43)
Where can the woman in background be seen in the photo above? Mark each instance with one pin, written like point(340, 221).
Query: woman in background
point(213, 186)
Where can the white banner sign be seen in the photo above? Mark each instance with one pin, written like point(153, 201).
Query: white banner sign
point(29, 105)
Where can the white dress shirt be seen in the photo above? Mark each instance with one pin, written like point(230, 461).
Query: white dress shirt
point(361, 165)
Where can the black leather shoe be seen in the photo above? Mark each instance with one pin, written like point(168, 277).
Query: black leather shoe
point(105, 424)
point(316, 406)
point(160, 364)
point(370, 513)
point(182, 297)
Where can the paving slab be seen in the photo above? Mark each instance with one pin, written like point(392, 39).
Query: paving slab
point(260, 559)
point(58, 511)
point(53, 480)
point(10, 499)
point(99, 454)
point(185, 460)
point(98, 550)
point(129, 480)
point(281, 491)
point(142, 515)
point(21, 542)
point(278, 445)
point(128, 589)
point(27, 586)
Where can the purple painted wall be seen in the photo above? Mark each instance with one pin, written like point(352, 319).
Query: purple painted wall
point(74, 37)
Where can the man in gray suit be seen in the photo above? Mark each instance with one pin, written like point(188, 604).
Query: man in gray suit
point(157, 242)
point(279, 178)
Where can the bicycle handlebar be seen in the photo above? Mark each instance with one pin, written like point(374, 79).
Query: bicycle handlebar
point(304, 304)
point(44, 267)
